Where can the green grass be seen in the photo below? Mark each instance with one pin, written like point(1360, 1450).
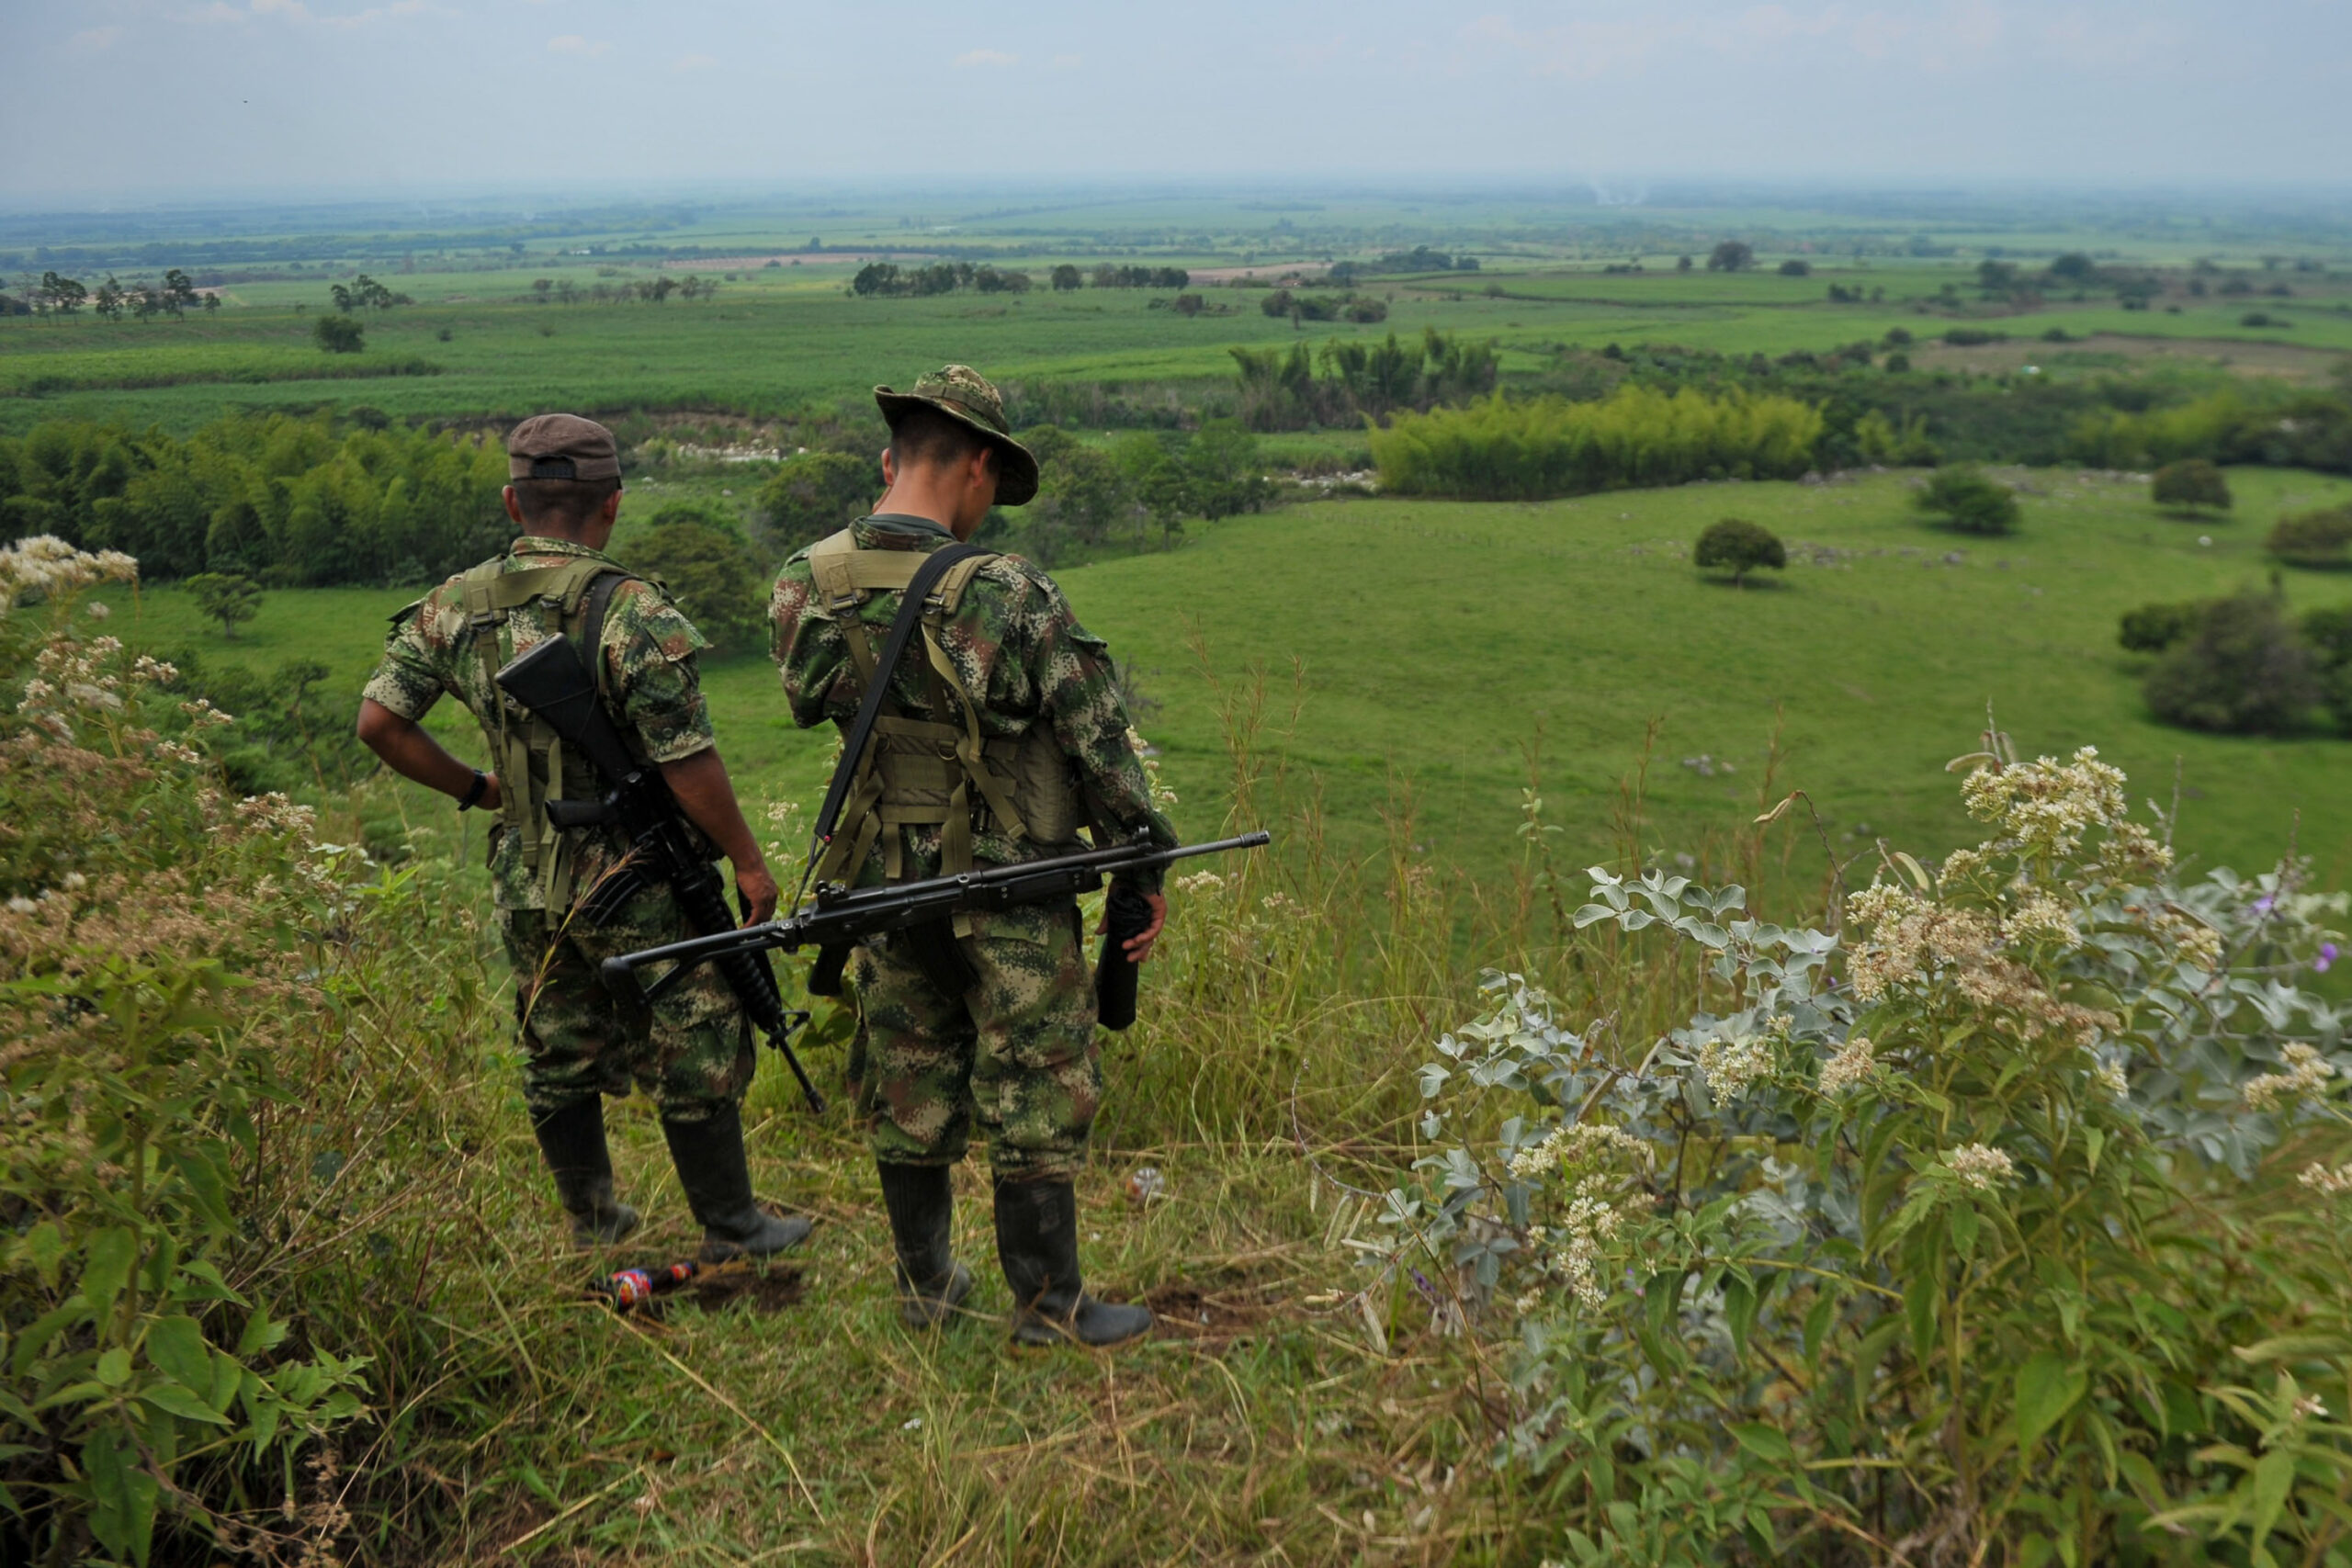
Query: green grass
point(1433, 642)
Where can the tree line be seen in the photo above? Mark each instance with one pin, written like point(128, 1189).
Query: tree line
point(174, 296)
point(1282, 390)
point(891, 279)
point(644, 290)
point(283, 499)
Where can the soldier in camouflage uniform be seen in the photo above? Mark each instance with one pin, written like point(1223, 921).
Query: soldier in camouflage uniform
point(691, 1049)
point(1003, 735)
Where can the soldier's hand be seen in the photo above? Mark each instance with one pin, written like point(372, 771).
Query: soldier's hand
point(757, 888)
point(490, 799)
point(1139, 947)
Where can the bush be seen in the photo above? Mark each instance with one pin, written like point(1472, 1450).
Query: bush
point(1911, 1223)
point(816, 493)
point(2328, 635)
point(1740, 548)
point(1971, 337)
point(225, 597)
point(2241, 670)
point(2191, 483)
point(2314, 538)
point(2152, 629)
point(1968, 500)
point(1796, 266)
point(1731, 256)
point(338, 335)
point(710, 574)
point(1499, 449)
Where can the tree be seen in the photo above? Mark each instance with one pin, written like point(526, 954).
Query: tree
point(710, 574)
point(338, 335)
point(2152, 629)
point(1066, 277)
point(1189, 304)
point(1732, 256)
point(2191, 484)
point(61, 295)
point(110, 299)
point(2242, 671)
point(1739, 546)
point(1969, 502)
point(2328, 635)
point(2072, 267)
point(227, 597)
point(817, 493)
point(2314, 538)
point(1084, 490)
point(1796, 267)
point(177, 293)
point(1221, 470)
point(1682, 263)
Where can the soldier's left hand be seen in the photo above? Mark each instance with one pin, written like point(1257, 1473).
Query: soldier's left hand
point(1139, 947)
point(756, 886)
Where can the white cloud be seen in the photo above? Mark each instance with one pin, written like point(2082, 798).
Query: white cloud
point(572, 43)
point(985, 57)
point(92, 39)
point(693, 62)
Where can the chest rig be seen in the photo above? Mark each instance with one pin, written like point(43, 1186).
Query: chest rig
point(532, 763)
point(936, 770)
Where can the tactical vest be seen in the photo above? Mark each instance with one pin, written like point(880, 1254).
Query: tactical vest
point(930, 772)
point(533, 766)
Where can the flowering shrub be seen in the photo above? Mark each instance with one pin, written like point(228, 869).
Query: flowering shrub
point(1936, 1239)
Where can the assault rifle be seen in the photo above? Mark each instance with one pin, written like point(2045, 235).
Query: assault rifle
point(840, 917)
point(552, 682)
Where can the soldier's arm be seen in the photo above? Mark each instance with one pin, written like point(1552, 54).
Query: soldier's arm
point(707, 796)
point(406, 684)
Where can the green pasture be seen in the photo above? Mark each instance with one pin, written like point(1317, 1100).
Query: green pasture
point(1427, 647)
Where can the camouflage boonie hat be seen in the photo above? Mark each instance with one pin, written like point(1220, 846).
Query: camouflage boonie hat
point(964, 395)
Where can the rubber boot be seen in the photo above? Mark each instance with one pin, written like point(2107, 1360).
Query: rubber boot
point(573, 1142)
point(921, 1200)
point(709, 1157)
point(1036, 1241)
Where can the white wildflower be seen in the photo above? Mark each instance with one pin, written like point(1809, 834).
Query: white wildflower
point(202, 715)
point(100, 610)
point(155, 670)
point(2040, 918)
point(1590, 1220)
point(73, 882)
point(1854, 1062)
point(2109, 1076)
point(1200, 881)
point(2306, 1073)
point(2045, 807)
point(2328, 1181)
point(20, 905)
point(1980, 1166)
point(1575, 1144)
point(1732, 1067)
point(2311, 1407)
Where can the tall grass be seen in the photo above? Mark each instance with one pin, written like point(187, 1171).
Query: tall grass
point(1503, 450)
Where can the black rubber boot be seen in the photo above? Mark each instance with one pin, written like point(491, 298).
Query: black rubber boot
point(573, 1142)
point(921, 1200)
point(709, 1157)
point(1036, 1241)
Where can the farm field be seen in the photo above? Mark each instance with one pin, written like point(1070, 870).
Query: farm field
point(1434, 643)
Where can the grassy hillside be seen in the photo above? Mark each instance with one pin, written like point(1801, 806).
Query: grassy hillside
point(1432, 643)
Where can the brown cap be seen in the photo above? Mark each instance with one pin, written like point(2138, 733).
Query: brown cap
point(562, 446)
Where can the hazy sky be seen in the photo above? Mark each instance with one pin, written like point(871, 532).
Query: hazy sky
point(115, 97)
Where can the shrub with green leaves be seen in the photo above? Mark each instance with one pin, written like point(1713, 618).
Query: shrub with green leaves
point(1739, 546)
point(709, 571)
point(2321, 539)
point(338, 335)
point(1946, 1236)
point(2240, 668)
point(817, 493)
point(1969, 500)
point(2328, 635)
point(2152, 629)
point(2192, 484)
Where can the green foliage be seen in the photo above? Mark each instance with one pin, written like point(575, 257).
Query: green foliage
point(2241, 670)
point(1501, 449)
point(338, 335)
point(2279, 427)
point(365, 294)
point(2328, 635)
point(2152, 629)
point(1880, 441)
point(711, 574)
point(2321, 538)
point(1965, 499)
point(817, 493)
point(1796, 266)
point(1739, 546)
point(2192, 484)
point(226, 597)
point(1731, 256)
point(1949, 1198)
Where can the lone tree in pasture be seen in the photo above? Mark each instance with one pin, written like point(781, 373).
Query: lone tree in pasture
point(1796, 267)
point(1966, 500)
point(1732, 256)
point(227, 597)
point(2072, 267)
point(1066, 277)
point(2321, 539)
point(816, 492)
point(2241, 670)
point(2191, 485)
point(338, 335)
point(1739, 546)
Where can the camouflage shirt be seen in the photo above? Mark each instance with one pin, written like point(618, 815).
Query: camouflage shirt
point(648, 652)
point(1017, 647)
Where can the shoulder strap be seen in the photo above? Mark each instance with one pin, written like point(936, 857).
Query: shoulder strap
point(932, 567)
point(599, 599)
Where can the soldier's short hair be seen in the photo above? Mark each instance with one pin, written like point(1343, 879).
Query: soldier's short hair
point(925, 435)
point(564, 502)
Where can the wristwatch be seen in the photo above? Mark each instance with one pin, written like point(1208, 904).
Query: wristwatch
point(472, 798)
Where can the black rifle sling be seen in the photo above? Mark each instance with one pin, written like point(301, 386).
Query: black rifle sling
point(869, 708)
point(592, 626)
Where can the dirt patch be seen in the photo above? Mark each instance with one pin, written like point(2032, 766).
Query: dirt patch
point(2116, 350)
point(742, 1287)
point(1197, 1311)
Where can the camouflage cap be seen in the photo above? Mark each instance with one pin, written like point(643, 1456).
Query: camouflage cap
point(562, 446)
point(964, 395)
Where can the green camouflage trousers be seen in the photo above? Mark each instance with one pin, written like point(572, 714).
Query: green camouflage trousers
point(691, 1051)
point(1016, 1054)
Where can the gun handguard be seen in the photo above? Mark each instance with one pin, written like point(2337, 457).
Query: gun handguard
point(554, 683)
point(842, 918)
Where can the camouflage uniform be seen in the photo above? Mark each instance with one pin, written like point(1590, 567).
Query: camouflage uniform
point(693, 1052)
point(1017, 1053)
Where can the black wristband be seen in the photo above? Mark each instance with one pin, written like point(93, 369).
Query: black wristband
point(472, 798)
